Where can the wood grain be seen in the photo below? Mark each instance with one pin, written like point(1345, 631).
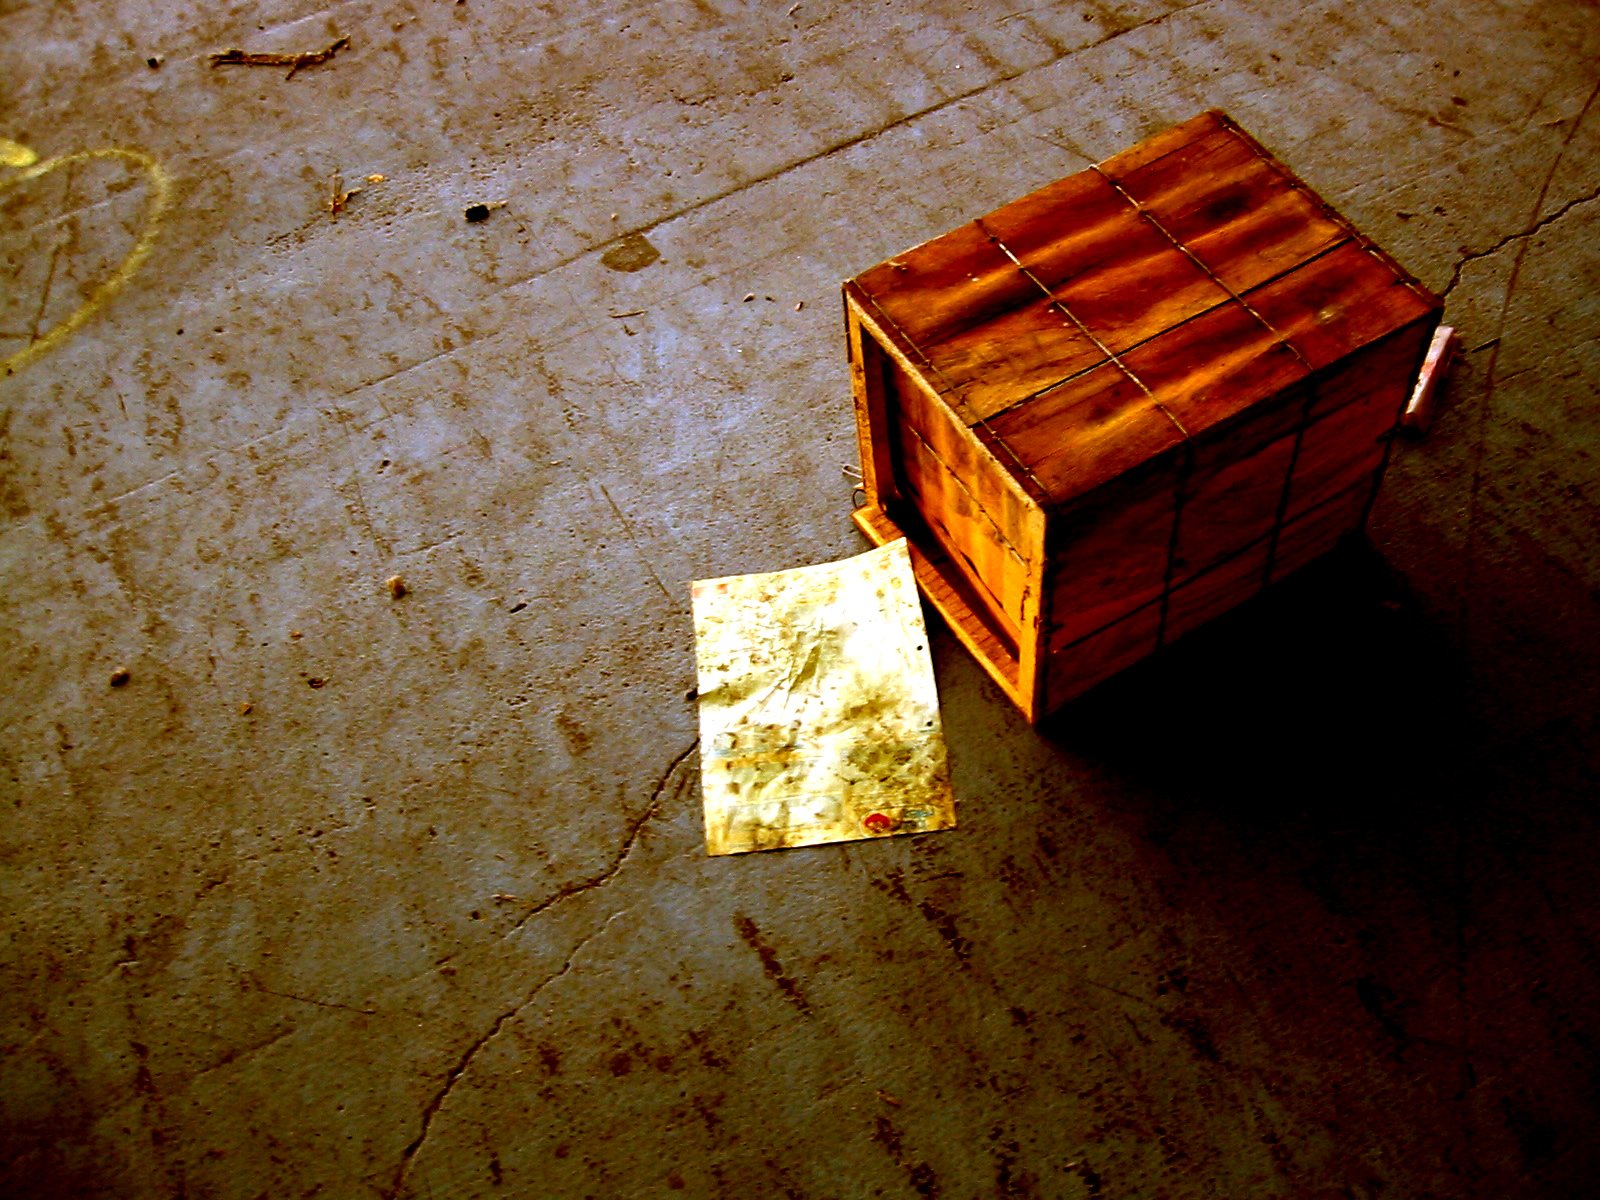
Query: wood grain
point(1072, 670)
point(1088, 431)
point(1110, 558)
point(1244, 217)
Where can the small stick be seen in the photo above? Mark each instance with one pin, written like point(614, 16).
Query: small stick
point(250, 58)
point(338, 197)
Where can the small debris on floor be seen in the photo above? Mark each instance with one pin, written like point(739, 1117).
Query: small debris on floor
point(234, 57)
point(338, 196)
point(317, 681)
point(749, 296)
point(376, 178)
point(295, 634)
point(396, 586)
point(246, 708)
point(120, 677)
point(1425, 398)
point(638, 312)
point(480, 212)
point(154, 61)
point(799, 304)
point(887, 1098)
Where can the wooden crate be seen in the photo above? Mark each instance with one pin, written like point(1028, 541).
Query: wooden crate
point(1119, 406)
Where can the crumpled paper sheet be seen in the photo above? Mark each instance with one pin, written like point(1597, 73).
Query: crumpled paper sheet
point(819, 718)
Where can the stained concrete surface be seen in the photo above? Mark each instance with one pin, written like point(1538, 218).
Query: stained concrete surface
point(345, 895)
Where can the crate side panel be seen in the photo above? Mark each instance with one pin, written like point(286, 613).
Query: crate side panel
point(1388, 367)
point(1356, 408)
point(1312, 534)
point(1212, 593)
point(1109, 554)
point(963, 530)
point(1072, 670)
point(950, 596)
point(1340, 450)
point(958, 448)
point(1230, 500)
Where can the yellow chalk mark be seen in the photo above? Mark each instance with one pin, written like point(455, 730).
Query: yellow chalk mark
point(14, 155)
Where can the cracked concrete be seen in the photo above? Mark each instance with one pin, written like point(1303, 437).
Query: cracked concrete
point(345, 894)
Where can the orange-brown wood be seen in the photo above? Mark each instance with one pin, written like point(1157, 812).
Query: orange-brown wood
point(1215, 590)
point(1111, 558)
point(1075, 669)
point(1313, 533)
point(1115, 407)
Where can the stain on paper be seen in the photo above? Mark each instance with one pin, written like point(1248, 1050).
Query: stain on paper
point(819, 718)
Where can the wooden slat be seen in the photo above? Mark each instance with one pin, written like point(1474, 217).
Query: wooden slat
point(1211, 369)
point(1160, 145)
point(1111, 558)
point(1002, 362)
point(1072, 670)
point(1334, 305)
point(1232, 207)
point(1214, 591)
point(1064, 229)
point(1312, 534)
point(1090, 430)
point(1116, 273)
point(954, 282)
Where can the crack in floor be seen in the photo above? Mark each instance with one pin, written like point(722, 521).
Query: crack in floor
point(1521, 235)
point(453, 1077)
point(599, 879)
point(604, 876)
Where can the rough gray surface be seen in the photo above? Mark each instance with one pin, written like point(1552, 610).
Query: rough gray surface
point(1306, 909)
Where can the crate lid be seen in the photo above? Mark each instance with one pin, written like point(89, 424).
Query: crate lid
point(1113, 315)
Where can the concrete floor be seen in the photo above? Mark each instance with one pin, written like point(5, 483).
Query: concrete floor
point(344, 895)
